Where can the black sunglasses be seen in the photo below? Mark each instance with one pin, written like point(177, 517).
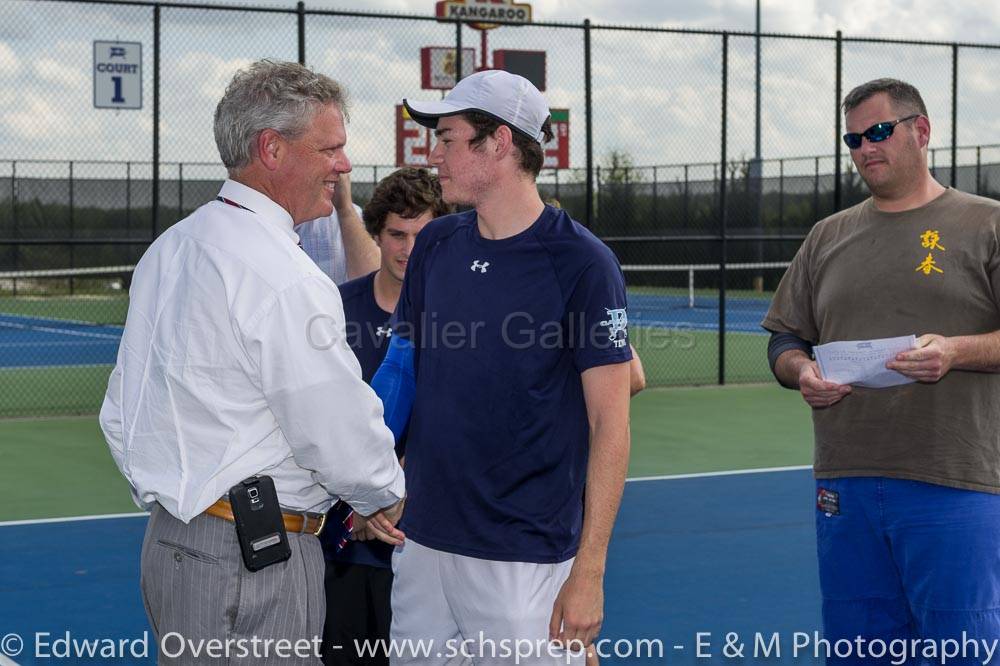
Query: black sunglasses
point(875, 133)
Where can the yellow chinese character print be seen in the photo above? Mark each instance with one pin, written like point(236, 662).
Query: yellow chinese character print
point(929, 265)
point(929, 239)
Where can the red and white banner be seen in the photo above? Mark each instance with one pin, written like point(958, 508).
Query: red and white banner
point(413, 140)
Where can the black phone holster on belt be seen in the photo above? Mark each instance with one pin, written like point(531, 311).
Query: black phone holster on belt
point(260, 526)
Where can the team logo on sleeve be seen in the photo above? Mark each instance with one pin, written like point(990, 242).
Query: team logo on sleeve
point(480, 266)
point(616, 322)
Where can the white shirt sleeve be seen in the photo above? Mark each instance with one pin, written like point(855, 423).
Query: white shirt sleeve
point(312, 383)
point(112, 425)
point(111, 417)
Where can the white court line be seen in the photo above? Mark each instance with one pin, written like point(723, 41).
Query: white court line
point(59, 331)
point(71, 519)
point(731, 472)
point(61, 343)
point(698, 475)
point(4, 661)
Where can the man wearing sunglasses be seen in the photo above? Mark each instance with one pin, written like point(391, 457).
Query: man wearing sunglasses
point(907, 477)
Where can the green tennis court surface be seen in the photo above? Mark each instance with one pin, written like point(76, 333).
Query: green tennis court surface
point(62, 467)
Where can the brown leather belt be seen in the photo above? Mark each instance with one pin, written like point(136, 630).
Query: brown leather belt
point(302, 523)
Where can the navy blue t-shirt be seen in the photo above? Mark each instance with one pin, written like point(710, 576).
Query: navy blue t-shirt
point(498, 439)
point(368, 336)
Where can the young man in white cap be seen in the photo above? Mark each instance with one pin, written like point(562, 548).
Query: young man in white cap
point(514, 315)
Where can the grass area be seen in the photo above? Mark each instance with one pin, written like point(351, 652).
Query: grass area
point(52, 390)
point(675, 356)
point(62, 467)
point(714, 428)
point(58, 467)
point(97, 309)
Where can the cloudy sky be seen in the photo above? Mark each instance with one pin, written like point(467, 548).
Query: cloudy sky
point(656, 95)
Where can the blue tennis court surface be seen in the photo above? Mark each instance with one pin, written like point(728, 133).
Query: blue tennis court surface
point(714, 554)
point(35, 341)
point(743, 315)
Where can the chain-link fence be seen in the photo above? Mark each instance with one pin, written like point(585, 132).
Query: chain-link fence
point(701, 157)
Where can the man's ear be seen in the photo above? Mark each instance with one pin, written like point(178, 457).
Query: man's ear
point(504, 139)
point(923, 126)
point(271, 148)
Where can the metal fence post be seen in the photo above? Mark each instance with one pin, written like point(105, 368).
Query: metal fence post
point(154, 220)
point(979, 169)
point(588, 104)
point(687, 222)
point(72, 226)
point(128, 199)
point(722, 214)
point(954, 114)
point(300, 9)
point(597, 193)
point(458, 51)
point(816, 189)
point(13, 215)
point(837, 193)
point(180, 190)
point(781, 195)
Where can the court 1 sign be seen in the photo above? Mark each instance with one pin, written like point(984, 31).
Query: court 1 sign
point(557, 150)
point(480, 12)
point(413, 140)
point(117, 75)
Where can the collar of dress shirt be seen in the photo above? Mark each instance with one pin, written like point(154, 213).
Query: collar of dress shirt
point(261, 204)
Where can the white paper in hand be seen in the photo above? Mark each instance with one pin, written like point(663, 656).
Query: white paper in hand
point(862, 362)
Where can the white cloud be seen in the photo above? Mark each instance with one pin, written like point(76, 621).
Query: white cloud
point(10, 64)
point(38, 117)
point(209, 72)
point(51, 71)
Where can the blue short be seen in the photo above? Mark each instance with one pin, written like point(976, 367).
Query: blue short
point(903, 559)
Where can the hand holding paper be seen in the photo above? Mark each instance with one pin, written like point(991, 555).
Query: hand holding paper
point(929, 361)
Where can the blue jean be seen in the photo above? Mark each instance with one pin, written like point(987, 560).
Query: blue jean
point(904, 559)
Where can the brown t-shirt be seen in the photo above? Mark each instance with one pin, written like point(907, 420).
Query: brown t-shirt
point(864, 274)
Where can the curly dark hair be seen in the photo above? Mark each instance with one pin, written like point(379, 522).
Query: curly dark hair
point(531, 155)
point(408, 192)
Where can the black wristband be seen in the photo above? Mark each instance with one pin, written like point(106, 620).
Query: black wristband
point(782, 342)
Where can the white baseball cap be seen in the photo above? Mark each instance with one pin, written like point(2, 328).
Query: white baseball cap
point(506, 97)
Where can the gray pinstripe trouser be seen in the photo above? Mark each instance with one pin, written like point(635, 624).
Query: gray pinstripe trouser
point(194, 583)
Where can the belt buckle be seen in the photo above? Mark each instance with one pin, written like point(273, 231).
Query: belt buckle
point(322, 524)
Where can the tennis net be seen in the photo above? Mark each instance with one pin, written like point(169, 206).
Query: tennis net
point(749, 286)
point(96, 296)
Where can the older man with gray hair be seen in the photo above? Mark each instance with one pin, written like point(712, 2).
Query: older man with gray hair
point(234, 377)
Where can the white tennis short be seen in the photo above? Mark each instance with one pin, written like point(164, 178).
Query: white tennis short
point(452, 609)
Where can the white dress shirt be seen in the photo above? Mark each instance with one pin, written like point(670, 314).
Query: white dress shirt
point(322, 240)
point(234, 362)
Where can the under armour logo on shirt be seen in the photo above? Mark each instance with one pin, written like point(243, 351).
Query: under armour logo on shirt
point(477, 266)
point(383, 332)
